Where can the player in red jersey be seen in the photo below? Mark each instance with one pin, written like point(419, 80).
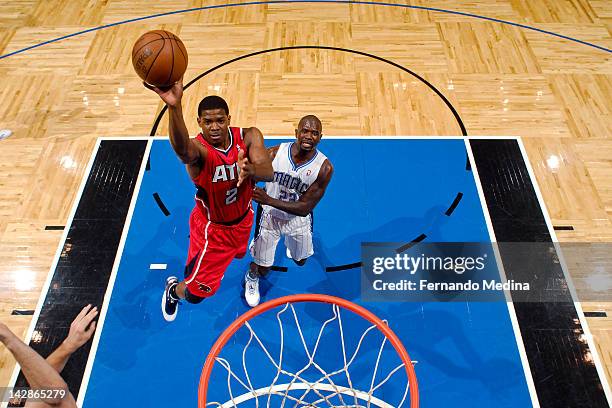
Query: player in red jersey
point(224, 163)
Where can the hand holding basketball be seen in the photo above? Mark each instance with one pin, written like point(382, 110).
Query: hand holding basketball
point(171, 96)
point(159, 58)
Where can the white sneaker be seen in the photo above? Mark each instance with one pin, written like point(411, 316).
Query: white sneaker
point(169, 305)
point(251, 290)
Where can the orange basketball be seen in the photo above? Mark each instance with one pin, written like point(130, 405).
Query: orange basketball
point(159, 58)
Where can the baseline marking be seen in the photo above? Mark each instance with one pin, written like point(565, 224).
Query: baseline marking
point(515, 325)
point(113, 277)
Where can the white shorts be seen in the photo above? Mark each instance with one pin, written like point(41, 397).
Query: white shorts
point(298, 238)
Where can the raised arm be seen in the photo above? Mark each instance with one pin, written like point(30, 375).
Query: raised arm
point(307, 201)
point(184, 147)
point(257, 165)
point(81, 330)
point(36, 370)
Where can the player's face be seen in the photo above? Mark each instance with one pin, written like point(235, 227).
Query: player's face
point(214, 124)
point(308, 134)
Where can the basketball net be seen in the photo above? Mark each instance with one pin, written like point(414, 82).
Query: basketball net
point(310, 384)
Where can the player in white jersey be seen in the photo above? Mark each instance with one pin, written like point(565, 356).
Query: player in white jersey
point(301, 175)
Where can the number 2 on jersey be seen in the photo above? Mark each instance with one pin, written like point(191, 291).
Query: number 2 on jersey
point(231, 195)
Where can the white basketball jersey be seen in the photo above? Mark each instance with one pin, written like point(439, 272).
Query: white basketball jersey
point(291, 180)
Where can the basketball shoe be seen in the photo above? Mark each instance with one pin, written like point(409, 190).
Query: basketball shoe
point(169, 303)
point(251, 290)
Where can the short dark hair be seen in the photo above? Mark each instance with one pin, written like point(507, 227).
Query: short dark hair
point(212, 102)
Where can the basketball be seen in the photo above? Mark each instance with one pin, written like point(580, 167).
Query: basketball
point(159, 58)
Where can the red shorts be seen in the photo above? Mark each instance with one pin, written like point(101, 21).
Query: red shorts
point(212, 247)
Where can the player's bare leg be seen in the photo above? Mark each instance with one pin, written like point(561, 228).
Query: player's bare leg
point(180, 290)
point(175, 292)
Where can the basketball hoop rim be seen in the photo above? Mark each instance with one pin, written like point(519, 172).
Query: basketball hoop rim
point(300, 298)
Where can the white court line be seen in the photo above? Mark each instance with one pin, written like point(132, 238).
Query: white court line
point(160, 267)
point(517, 331)
point(570, 283)
point(113, 276)
point(58, 252)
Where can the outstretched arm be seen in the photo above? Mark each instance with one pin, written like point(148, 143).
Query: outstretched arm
point(307, 201)
point(258, 164)
point(184, 147)
point(36, 370)
point(81, 330)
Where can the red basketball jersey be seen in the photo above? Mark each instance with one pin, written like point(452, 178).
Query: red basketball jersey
point(218, 196)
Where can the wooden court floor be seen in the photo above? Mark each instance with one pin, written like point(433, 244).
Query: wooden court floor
point(501, 79)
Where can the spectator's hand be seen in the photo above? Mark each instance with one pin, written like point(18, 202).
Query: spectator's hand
point(247, 169)
point(260, 196)
point(81, 328)
point(4, 332)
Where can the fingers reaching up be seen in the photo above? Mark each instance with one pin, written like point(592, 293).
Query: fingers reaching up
point(82, 327)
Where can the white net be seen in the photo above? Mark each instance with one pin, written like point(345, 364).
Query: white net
point(301, 376)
